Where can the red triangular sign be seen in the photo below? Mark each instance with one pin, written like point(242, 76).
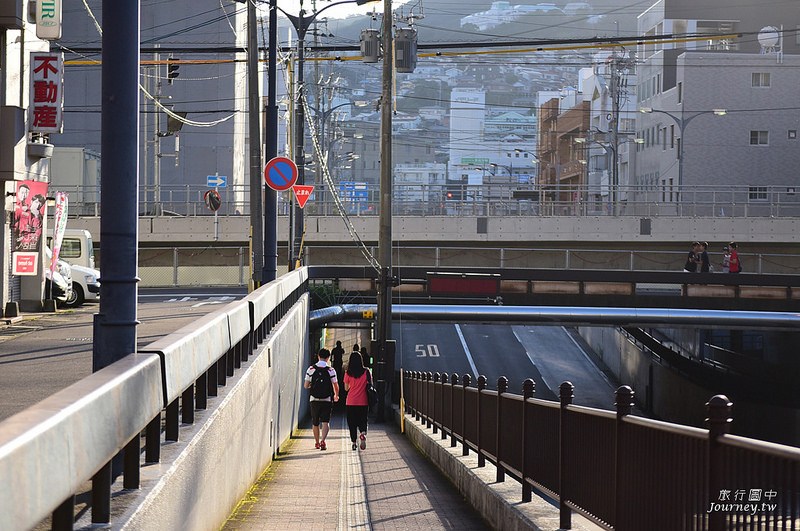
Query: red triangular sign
point(302, 193)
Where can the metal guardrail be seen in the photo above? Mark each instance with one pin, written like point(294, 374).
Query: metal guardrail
point(618, 470)
point(491, 199)
point(49, 451)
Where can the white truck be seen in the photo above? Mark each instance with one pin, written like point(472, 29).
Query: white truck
point(78, 251)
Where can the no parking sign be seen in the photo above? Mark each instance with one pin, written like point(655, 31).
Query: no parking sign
point(280, 173)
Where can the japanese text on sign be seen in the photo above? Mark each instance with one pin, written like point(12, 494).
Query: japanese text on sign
point(47, 92)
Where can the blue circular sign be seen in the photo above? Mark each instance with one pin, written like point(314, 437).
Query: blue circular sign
point(280, 173)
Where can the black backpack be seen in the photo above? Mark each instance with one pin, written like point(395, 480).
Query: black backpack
point(321, 386)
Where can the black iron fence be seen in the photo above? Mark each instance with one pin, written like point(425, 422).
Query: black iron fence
point(621, 471)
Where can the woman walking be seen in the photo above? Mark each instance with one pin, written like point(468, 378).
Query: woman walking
point(355, 383)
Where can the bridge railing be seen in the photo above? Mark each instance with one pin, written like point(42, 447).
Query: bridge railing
point(616, 469)
point(489, 199)
point(50, 450)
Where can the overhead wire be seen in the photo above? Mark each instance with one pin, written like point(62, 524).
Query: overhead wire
point(157, 103)
point(323, 164)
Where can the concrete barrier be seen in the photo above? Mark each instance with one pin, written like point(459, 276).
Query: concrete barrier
point(202, 477)
point(48, 451)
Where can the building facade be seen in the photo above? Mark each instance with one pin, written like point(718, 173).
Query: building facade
point(719, 111)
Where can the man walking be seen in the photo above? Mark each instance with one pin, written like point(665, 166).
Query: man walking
point(321, 381)
point(337, 359)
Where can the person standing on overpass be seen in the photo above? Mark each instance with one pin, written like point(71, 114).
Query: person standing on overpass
point(735, 264)
point(321, 381)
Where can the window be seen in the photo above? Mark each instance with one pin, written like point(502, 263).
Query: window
point(792, 134)
point(758, 193)
point(759, 138)
point(672, 136)
point(70, 248)
point(760, 79)
point(680, 92)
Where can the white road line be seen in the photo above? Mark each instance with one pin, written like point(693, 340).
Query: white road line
point(546, 383)
point(353, 509)
point(467, 352)
point(585, 355)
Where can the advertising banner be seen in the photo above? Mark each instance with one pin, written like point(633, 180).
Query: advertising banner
point(26, 227)
point(59, 227)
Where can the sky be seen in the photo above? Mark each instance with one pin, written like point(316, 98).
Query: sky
point(346, 10)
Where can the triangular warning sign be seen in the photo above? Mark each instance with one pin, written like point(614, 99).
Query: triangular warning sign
point(302, 193)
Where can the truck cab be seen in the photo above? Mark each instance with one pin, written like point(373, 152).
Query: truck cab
point(77, 248)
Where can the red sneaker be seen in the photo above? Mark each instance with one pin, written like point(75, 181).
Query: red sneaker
point(316, 445)
point(322, 446)
point(363, 444)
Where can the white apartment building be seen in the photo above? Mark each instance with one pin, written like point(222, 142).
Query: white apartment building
point(722, 112)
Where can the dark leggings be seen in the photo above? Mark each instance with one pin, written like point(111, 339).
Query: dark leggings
point(357, 420)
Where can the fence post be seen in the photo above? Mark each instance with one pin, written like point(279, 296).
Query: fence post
point(565, 392)
point(465, 381)
point(624, 403)
point(174, 266)
point(428, 379)
point(481, 387)
point(445, 380)
point(719, 424)
point(417, 395)
point(436, 377)
point(502, 387)
point(528, 387)
point(453, 383)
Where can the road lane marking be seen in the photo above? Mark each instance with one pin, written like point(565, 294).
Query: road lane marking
point(467, 352)
point(519, 339)
point(585, 355)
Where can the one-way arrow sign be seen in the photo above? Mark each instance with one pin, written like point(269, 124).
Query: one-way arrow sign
point(217, 181)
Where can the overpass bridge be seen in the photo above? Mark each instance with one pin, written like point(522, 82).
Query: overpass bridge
point(250, 356)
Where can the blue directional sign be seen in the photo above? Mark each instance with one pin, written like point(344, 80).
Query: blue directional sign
point(217, 181)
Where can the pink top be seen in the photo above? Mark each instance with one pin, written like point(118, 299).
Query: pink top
point(357, 392)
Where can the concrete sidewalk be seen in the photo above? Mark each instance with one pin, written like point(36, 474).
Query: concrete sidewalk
point(390, 485)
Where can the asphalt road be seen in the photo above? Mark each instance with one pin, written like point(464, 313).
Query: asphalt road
point(44, 353)
point(549, 355)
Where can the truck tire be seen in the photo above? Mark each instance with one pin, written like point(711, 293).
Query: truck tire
point(77, 297)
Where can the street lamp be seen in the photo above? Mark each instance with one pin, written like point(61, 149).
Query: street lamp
point(509, 169)
point(682, 123)
point(301, 24)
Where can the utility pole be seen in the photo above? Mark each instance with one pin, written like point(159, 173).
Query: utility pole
point(385, 222)
point(270, 271)
point(614, 128)
point(115, 324)
point(255, 145)
point(299, 134)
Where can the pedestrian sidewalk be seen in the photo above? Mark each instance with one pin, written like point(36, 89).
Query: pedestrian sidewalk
point(388, 486)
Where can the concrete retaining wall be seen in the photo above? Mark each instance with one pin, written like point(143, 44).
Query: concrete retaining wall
point(201, 478)
point(671, 397)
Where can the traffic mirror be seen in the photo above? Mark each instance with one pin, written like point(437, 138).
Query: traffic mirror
point(213, 200)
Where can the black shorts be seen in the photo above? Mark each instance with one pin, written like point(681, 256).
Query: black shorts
point(320, 411)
